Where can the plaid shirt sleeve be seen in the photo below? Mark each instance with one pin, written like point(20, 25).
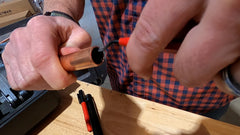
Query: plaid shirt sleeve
point(117, 18)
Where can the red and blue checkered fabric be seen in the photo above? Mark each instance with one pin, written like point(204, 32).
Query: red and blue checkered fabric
point(117, 18)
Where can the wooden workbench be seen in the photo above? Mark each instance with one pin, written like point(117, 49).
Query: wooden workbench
point(126, 115)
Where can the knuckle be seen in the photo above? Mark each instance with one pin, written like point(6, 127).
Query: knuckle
point(187, 83)
point(146, 34)
point(24, 81)
point(39, 59)
point(31, 83)
point(58, 86)
point(20, 84)
point(16, 34)
point(139, 70)
point(187, 79)
point(5, 56)
point(23, 85)
point(35, 21)
point(63, 83)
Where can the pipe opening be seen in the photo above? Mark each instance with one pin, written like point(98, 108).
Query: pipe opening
point(97, 56)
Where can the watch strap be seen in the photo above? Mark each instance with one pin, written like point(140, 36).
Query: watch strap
point(58, 13)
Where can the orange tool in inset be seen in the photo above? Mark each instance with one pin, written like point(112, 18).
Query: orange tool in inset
point(121, 41)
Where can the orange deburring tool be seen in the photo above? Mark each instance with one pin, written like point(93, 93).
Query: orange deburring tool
point(123, 41)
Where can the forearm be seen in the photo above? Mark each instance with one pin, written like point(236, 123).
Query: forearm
point(73, 8)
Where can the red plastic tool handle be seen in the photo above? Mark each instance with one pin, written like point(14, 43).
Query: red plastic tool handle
point(123, 41)
point(86, 116)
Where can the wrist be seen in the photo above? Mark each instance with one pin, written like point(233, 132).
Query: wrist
point(74, 8)
point(59, 13)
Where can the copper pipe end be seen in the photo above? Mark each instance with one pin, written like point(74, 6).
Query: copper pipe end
point(83, 59)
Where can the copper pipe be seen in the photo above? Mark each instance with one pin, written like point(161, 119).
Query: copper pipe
point(5, 40)
point(83, 59)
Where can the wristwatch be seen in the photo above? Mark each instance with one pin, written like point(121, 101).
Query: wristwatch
point(232, 85)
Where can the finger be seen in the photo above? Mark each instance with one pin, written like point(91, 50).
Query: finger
point(10, 77)
point(68, 50)
point(74, 39)
point(159, 22)
point(10, 60)
point(20, 74)
point(31, 79)
point(209, 47)
point(77, 37)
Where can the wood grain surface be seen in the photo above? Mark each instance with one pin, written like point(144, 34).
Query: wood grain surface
point(123, 114)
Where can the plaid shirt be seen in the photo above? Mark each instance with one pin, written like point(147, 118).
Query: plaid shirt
point(117, 18)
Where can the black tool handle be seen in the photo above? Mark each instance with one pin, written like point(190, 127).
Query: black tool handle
point(94, 116)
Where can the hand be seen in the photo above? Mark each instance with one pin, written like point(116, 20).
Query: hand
point(31, 57)
point(209, 47)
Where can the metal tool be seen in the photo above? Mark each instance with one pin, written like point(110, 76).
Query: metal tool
point(121, 41)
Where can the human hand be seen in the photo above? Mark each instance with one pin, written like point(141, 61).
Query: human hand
point(209, 47)
point(31, 57)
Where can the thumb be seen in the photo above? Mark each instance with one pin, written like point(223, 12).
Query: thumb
point(155, 28)
point(211, 46)
point(75, 38)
